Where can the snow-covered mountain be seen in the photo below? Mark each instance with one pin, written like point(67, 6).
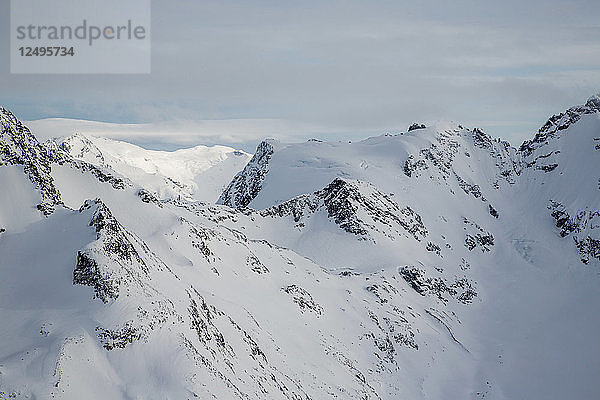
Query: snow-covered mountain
point(439, 263)
point(198, 173)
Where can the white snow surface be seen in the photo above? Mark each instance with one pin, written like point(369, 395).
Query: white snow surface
point(437, 264)
point(197, 173)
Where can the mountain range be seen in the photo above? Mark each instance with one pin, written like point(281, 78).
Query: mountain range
point(435, 263)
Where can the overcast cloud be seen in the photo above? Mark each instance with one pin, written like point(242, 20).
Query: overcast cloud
point(334, 69)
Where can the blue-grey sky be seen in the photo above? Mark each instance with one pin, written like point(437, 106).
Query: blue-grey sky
point(333, 69)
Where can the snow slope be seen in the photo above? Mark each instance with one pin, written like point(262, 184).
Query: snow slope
point(440, 263)
point(197, 173)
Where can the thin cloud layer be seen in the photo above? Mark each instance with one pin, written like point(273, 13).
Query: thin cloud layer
point(356, 68)
point(177, 134)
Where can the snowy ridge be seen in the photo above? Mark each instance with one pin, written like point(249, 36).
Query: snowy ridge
point(198, 173)
point(559, 122)
point(115, 259)
point(357, 208)
point(451, 156)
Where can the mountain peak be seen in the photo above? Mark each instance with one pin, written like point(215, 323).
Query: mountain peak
point(416, 126)
point(195, 173)
point(559, 122)
point(246, 184)
point(594, 102)
point(18, 146)
point(12, 126)
point(82, 147)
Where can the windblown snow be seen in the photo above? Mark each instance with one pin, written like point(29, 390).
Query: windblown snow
point(437, 263)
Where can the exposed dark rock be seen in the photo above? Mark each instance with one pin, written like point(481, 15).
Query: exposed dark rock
point(256, 265)
point(468, 188)
point(481, 139)
point(411, 165)
point(416, 126)
point(559, 122)
point(246, 184)
point(434, 248)
point(113, 235)
point(564, 221)
point(118, 262)
point(119, 338)
point(548, 168)
point(460, 289)
point(58, 154)
point(148, 197)
point(582, 224)
point(303, 299)
point(18, 146)
point(477, 237)
point(88, 273)
point(199, 238)
point(588, 247)
point(342, 199)
point(439, 154)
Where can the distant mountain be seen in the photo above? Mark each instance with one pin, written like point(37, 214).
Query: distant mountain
point(436, 263)
point(197, 173)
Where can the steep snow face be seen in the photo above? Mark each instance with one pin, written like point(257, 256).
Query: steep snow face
point(440, 263)
point(198, 173)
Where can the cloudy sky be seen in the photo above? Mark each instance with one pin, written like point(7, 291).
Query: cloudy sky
point(234, 72)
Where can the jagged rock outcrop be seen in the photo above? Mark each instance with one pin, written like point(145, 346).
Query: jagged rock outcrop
point(451, 143)
point(476, 236)
point(356, 207)
point(148, 197)
point(246, 184)
point(439, 154)
point(559, 122)
point(18, 146)
point(119, 266)
point(117, 260)
point(583, 226)
point(416, 126)
point(460, 289)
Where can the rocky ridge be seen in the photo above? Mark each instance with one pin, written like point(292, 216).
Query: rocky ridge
point(18, 146)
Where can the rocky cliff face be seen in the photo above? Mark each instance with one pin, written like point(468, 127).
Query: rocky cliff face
point(18, 146)
point(246, 184)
